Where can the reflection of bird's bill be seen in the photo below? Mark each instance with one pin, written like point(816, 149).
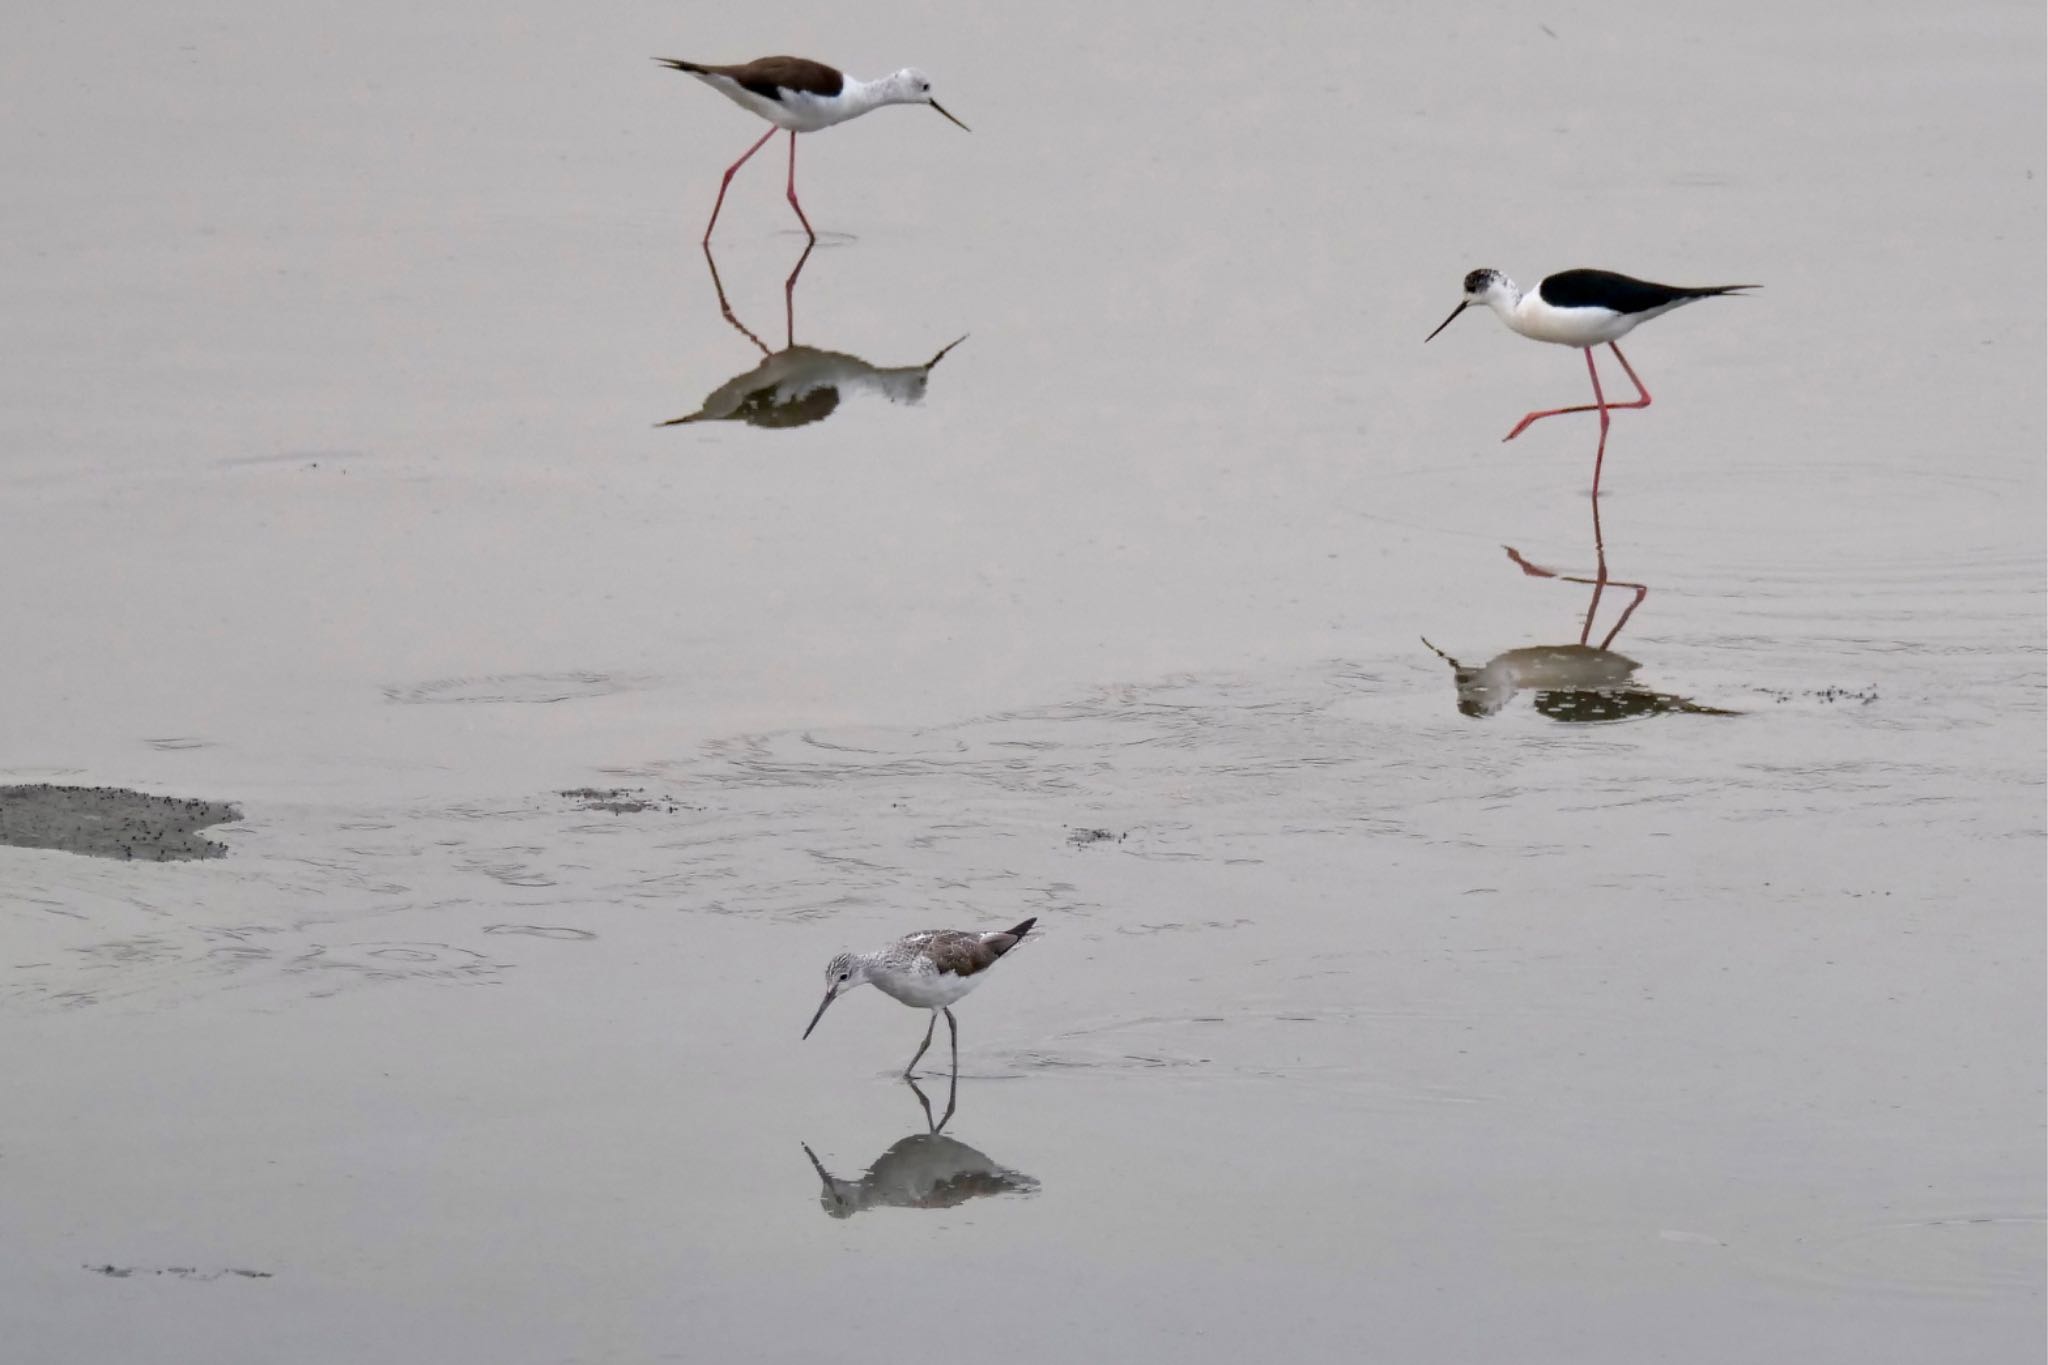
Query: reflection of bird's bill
point(830, 996)
point(956, 122)
point(1447, 321)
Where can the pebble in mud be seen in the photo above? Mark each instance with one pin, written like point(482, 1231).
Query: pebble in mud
point(111, 822)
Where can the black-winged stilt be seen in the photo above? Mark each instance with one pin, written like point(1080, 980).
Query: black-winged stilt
point(1583, 309)
point(801, 96)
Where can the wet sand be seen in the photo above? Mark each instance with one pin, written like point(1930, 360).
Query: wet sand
point(1371, 1014)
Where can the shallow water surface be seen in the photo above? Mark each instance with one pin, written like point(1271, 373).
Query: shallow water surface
point(1471, 924)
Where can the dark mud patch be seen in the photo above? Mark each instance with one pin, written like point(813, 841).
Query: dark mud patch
point(177, 1272)
point(619, 800)
point(111, 822)
point(1083, 838)
point(1833, 696)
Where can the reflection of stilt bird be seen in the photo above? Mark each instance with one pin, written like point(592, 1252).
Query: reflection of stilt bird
point(1574, 682)
point(798, 385)
point(1581, 308)
point(923, 1171)
point(803, 97)
point(928, 970)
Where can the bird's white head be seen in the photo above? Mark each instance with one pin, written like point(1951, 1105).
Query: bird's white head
point(1489, 287)
point(911, 86)
point(842, 974)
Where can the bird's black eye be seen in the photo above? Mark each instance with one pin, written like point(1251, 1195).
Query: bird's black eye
point(842, 976)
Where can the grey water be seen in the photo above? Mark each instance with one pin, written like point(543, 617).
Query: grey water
point(1465, 931)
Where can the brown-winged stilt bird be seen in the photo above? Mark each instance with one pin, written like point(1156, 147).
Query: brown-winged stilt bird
point(928, 970)
point(1584, 309)
point(798, 385)
point(801, 96)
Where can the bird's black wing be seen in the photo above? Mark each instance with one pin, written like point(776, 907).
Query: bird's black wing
point(1622, 293)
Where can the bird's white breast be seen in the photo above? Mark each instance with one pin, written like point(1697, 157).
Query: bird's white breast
point(926, 990)
point(1539, 321)
point(810, 113)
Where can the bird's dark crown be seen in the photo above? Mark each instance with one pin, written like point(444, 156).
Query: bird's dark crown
point(1476, 282)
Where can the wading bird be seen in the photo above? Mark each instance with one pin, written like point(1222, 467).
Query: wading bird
point(801, 96)
point(928, 970)
point(1584, 309)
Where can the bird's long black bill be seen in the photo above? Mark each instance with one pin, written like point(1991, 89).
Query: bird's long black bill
point(1447, 321)
point(830, 996)
point(956, 122)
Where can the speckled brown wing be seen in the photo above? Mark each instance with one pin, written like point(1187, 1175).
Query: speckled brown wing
point(963, 954)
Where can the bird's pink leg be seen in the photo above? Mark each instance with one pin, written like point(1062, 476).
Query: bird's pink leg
point(1642, 399)
point(728, 180)
point(792, 189)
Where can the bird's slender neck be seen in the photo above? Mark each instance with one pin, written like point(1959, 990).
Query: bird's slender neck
point(865, 95)
point(1505, 298)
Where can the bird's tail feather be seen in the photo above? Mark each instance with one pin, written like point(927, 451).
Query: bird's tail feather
point(678, 64)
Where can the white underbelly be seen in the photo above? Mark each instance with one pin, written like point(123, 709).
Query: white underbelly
point(931, 992)
point(1572, 326)
point(793, 116)
point(808, 113)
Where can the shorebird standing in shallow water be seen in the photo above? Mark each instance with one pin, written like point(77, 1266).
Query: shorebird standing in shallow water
point(928, 970)
point(1581, 308)
point(802, 96)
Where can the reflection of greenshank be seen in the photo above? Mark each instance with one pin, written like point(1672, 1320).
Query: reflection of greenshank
point(928, 970)
point(801, 96)
point(798, 385)
point(923, 1171)
point(1581, 308)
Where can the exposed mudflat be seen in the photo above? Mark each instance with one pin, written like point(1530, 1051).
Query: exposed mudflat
point(111, 822)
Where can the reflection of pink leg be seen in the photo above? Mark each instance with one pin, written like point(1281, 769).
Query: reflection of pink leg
point(1598, 583)
point(728, 180)
point(1642, 399)
point(725, 307)
point(1642, 591)
point(1599, 540)
point(789, 293)
point(792, 190)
